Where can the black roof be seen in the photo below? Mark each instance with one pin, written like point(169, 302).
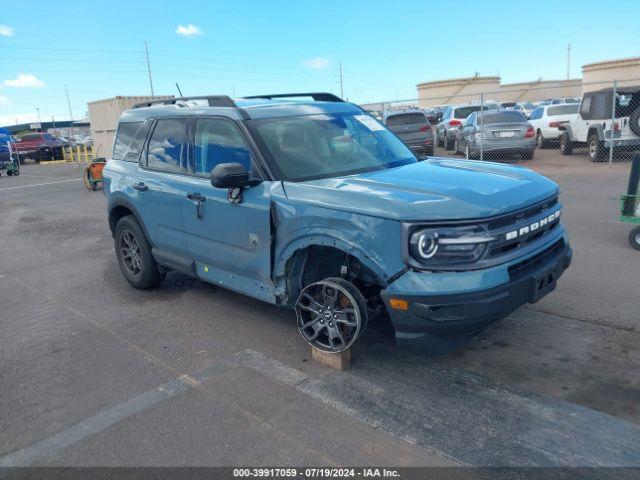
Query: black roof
point(623, 90)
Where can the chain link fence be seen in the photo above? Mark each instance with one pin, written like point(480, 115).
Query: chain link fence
point(598, 121)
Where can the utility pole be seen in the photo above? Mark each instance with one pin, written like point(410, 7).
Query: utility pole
point(341, 85)
point(568, 61)
point(146, 50)
point(66, 88)
point(39, 120)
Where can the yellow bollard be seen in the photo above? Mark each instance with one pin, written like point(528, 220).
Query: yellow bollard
point(84, 153)
point(64, 153)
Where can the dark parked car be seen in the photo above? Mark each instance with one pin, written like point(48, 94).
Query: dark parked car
point(504, 132)
point(39, 146)
point(413, 128)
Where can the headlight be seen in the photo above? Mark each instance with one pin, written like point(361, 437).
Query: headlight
point(448, 245)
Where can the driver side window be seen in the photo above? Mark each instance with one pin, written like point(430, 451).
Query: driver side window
point(219, 141)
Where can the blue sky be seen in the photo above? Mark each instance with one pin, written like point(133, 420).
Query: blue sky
point(249, 47)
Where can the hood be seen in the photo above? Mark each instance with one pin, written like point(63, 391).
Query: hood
point(436, 189)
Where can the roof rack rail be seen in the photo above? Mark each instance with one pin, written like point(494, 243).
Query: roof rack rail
point(317, 96)
point(213, 100)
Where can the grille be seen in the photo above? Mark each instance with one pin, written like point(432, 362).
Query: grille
point(521, 269)
point(536, 216)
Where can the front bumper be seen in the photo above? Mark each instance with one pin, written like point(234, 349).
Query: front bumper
point(454, 304)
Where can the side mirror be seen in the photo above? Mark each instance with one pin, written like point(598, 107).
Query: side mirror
point(232, 175)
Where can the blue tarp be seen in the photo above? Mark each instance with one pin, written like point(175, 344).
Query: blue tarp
point(5, 136)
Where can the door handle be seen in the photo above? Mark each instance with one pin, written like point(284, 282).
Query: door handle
point(197, 197)
point(200, 199)
point(141, 187)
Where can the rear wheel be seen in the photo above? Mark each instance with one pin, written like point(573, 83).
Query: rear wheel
point(10, 172)
point(331, 314)
point(448, 143)
point(596, 148)
point(566, 147)
point(134, 255)
point(634, 238)
point(541, 141)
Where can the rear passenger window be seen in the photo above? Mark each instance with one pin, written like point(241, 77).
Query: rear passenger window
point(168, 146)
point(129, 140)
point(219, 141)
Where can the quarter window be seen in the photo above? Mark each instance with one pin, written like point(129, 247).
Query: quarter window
point(219, 141)
point(168, 146)
point(129, 141)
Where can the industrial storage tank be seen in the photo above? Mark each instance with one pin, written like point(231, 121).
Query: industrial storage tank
point(539, 90)
point(599, 75)
point(457, 90)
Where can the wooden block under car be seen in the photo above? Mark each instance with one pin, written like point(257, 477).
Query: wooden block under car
point(337, 361)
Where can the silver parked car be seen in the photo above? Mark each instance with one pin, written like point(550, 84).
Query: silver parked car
point(413, 128)
point(505, 132)
point(452, 120)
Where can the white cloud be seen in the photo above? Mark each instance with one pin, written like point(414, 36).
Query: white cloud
point(317, 63)
point(189, 30)
point(6, 31)
point(20, 117)
point(25, 80)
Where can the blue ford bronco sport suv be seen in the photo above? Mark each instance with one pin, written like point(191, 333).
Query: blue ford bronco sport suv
point(308, 202)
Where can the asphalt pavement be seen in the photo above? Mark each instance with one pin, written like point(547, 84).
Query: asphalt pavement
point(94, 372)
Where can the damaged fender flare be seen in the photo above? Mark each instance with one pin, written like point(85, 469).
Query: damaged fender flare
point(279, 270)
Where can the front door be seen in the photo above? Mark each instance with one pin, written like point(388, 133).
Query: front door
point(229, 242)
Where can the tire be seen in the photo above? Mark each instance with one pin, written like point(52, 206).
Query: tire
point(331, 314)
point(596, 147)
point(469, 155)
point(634, 238)
point(540, 140)
point(448, 143)
point(16, 172)
point(439, 142)
point(140, 269)
point(10, 173)
point(634, 121)
point(528, 155)
point(566, 147)
point(456, 148)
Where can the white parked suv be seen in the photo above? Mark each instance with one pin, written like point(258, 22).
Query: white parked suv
point(548, 119)
point(593, 127)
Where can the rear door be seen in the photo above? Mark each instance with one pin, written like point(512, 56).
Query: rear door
point(229, 242)
point(157, 186)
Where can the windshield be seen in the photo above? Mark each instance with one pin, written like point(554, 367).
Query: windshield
point(405, 119)
point(330, 145)
point(563, 109)
point(464, 112)
point(505, 116)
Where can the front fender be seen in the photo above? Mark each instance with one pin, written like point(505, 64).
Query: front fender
point(375, 242)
